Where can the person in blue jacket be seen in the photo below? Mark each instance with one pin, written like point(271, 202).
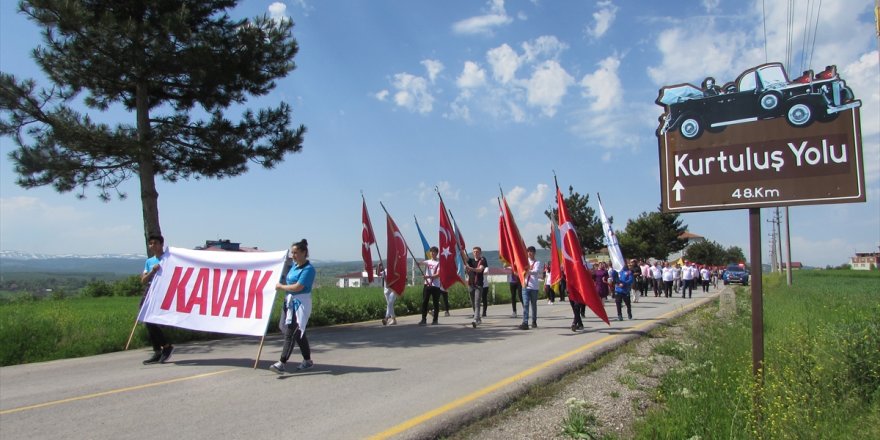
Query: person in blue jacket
point(297, 307)
point(622, 288)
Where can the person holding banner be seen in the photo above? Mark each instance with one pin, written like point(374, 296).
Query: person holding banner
point(162, 349)
point(297, 307)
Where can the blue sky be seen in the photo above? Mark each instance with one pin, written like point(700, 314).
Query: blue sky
point(400, 97)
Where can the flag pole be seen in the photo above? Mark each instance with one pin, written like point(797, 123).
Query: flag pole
point(404, 243)
point(457, 242)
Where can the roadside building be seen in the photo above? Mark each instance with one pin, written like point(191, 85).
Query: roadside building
point(865, 261)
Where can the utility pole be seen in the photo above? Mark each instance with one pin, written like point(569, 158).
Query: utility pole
point(773, 267)
point(778, 219)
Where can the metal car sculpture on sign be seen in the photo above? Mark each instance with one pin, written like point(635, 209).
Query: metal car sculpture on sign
point(762, 92)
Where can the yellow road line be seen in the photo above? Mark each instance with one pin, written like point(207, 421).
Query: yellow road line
point(110, 392)
point(422, 418)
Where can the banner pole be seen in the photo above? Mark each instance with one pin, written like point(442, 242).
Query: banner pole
point(131, 334)
point(259, 351)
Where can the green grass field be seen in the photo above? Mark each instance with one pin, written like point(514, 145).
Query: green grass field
point(821, 375)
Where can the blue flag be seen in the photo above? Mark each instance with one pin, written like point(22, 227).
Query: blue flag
point(425, 244)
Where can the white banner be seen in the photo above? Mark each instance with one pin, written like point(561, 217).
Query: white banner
point(617, 261)
point(225, 292)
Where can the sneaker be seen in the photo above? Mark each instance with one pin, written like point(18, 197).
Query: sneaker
point(423, 323)
point(620, 318)
point(514, 315)
point(474, 324)
point(384, 321)
point(393, 321)
point(154, 358)
point(305, 365)
point(166, 354)
point(630, 316)
point(549, 303)
point(574, 328)
point(484, 314)
point(277, 367)
point(446, 314)
point(434, 322)
point(580, 326)
point(534, 324)
point(523, 326)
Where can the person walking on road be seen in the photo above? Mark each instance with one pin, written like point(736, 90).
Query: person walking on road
point(530, 291)
point(297, 307)
point(390, 297)
point(515, 289)
point(622, 291)
point(431, 291)
point(600, 279)
point(162, 349)
point(475, 269)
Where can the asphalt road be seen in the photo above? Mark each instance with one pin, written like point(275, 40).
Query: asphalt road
point(369, 381)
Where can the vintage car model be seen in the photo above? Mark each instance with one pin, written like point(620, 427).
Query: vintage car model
point(762, 92)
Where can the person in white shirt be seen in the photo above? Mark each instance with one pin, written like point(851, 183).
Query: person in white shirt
point(432, 286)
point(706, 278)
point(530, 290)
point(668, 278)
point(657, 275)
point(687, 277)
point(676, 277)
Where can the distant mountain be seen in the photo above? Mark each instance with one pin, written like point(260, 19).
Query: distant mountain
point(122, 264)
point(131, 264)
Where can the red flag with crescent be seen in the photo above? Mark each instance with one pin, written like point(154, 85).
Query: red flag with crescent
point(448, 243)
point(578, 279)
point(395, 277)
point(368, 238)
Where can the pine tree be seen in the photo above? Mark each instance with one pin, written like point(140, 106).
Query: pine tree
point(177, 66)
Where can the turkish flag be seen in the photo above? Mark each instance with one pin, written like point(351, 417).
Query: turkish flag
point(395, 277)
point(578, 279)
point(368, 238)
point(448, 242)
point(519, 259)
point(555, 259)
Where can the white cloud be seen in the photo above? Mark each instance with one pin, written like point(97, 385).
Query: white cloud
point(720, 54)
point(425, 192)
point(434, 68)
point(412, 93)
point(304, 6)
point(547, 87)
point(484, 24)
point(278, 11)
point(472, 76)
point(543, 47)
point(525, 204)
point(711, 5)
point(381, 95)
point(602, 19)
point(504, 62)
point(603, 87)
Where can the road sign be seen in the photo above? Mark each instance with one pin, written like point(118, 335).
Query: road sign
point(763, 163)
